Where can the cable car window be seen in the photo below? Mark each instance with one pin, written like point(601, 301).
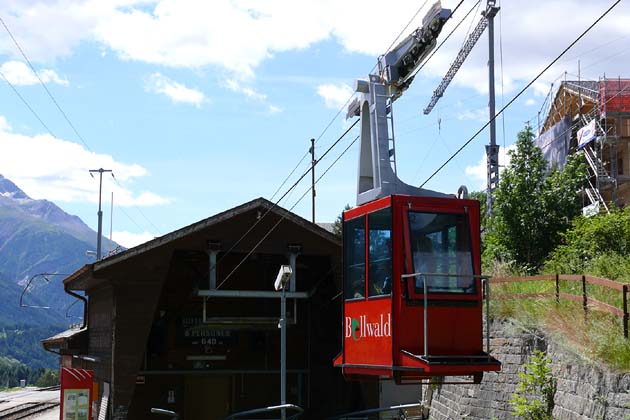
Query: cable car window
point(354, 257)
point(441, 250)
point(380, 252)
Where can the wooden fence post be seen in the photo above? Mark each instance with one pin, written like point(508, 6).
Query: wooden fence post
point(557, 289)
point(584, 297)
point(625, 310)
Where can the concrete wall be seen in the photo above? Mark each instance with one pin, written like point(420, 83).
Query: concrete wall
point(584, 390)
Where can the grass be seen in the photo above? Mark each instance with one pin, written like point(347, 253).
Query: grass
point(598, 335)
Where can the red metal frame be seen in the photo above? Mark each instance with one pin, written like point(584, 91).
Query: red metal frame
point(383, 336)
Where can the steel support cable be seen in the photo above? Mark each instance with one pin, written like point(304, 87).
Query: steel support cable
point(282, 217)
point(27, 104)
point(275, 204)
point(521, 92)
point(316, 141)
point(65, 116)
point(138, 208)
point(373, 68)
point(447, 36)
point(406, 26)
point(346, 103)
point(44, 85)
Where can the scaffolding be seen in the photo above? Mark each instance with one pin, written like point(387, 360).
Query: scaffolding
point(602, 110)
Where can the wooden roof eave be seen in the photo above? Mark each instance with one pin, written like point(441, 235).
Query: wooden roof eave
point(82, 279)
point(211, 221)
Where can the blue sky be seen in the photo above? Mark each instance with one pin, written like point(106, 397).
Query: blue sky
point(200, 106)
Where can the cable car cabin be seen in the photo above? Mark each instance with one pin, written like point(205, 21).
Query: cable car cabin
point(412, 291)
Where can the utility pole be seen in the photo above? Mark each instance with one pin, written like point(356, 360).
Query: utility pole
point(100, 212)
point(492, 150)
point(111, 222)
point(313, 163)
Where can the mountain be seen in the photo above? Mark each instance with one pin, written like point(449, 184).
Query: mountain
point(36, 236)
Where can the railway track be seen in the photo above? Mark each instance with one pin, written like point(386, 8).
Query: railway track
point(25, 410)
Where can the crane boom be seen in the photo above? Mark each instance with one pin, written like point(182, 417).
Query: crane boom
point(461, 57)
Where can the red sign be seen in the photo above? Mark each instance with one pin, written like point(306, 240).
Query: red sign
point(76, 394)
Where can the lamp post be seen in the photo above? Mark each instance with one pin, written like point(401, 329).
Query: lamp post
point(282, 280)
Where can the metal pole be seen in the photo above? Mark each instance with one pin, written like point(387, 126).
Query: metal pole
point(426, 321)
point(492, 150)
point(100, 218)
point(625, 311)
point(313, 162)
point(111, 221)
point(283, 352)
point(100, 212)
point(486, 283)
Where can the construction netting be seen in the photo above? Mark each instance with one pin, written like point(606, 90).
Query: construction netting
point(555, 143)
point(614, 95)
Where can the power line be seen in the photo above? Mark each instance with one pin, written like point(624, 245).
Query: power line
point(275, 204)
point(407, 25)
point(44, 85)
point(447, 36)
point(521, 92)
point(282, 217)
point(317, 140)
point(139, 211)
point(65, 116)
point(27, 104)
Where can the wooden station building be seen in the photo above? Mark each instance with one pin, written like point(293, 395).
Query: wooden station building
point(181, 324)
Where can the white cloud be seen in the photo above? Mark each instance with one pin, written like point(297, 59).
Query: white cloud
point(238, 87)
point(238, 35)
point(130, 239)
point(235, 86)
point(4, 125)
point(335, 96)
point(19, 74)
point(179, 93)
point(479, 171)
point(57, 170)
point(480, 115)
point(530, 102)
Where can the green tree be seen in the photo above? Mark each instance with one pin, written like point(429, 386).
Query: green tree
point(599, 245)
point(534, 396)
point(338, 224)
point(533, 206)
point(48, 377)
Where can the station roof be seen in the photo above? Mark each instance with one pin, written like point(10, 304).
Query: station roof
point(197, 234)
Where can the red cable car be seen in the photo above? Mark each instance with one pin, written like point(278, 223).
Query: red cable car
point(412, 286)
point(412, 291)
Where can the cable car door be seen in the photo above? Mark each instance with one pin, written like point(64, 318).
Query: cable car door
point(442, 250)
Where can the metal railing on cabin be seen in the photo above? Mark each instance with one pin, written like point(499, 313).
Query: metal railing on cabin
point(485, 286)
point(400, 412)
point(267, 410)
point(584, 298)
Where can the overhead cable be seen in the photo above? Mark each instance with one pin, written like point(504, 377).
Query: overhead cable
point(521, 91)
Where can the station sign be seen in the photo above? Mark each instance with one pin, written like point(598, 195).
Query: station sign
point(76, 394)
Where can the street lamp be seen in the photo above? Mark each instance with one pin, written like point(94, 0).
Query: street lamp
point(281, 284)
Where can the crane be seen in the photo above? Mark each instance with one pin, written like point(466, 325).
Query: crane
point(492, 150)
point(486, 18)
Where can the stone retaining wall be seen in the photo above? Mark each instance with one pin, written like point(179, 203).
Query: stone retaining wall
point(584, 390)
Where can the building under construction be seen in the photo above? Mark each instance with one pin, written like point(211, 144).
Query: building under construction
point(593, 118)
